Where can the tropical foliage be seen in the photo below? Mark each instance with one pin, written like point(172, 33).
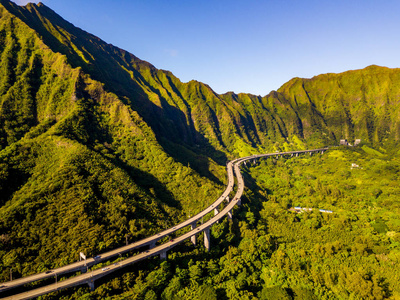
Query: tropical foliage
point(269, 251)
point(98, 146)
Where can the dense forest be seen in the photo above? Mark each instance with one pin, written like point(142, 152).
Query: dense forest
point(98, 147)
point(270, 251)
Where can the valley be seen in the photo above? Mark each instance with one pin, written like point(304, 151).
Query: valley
point(99, 149)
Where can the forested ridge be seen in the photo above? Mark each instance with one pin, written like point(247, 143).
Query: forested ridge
point(80, 169)
point(268, 251)
point(98, 146)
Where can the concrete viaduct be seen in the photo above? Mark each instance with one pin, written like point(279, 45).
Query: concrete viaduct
point(233, 170)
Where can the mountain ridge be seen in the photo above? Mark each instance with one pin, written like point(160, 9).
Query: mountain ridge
point(167, 93)
point(97, 146)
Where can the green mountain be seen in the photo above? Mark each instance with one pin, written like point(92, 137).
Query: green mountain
point(97, 145)
point(80, 168)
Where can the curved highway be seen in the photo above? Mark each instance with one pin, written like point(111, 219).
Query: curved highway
point(90, 277)
point(82, 265)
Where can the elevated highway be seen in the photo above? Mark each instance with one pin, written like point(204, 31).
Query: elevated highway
point(233, 169)
point(150, 241)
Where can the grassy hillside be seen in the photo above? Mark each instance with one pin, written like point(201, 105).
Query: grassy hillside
point(268, 251)
point(322, 110)
point(97, 145)
point(79, 168)
point(356, 104)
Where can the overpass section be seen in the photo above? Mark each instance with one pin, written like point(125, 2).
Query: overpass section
point(233, 168)
point(150, 241)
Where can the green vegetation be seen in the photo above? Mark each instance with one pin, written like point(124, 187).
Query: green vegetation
point(79, 169)
point(97, 146)
point(318, 111)
point(351, 253)
point(270, 252)
point(274, 253)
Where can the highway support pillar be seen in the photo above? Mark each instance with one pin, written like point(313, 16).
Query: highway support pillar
point(322, 152)
point(227, 199)
point(291, 155)
point(230, 214)
point(216, 211)
point(152, 244)
point(207, 239)
point(91, 285)
point(297, 154)
point(239, 202)
point(193, 237)
point(310, 153)
point(163, 255)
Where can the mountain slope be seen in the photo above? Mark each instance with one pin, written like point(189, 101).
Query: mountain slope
point(79, 170)
point(97, 145)
point(356, 104)
point(191, 114)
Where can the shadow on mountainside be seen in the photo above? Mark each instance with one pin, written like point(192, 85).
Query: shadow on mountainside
point(120, 72)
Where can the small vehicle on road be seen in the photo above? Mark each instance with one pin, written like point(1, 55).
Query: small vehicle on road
point(97, 257)
point(105, 269)
point(48, 272)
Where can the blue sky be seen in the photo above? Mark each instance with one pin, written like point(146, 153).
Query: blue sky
point(249, 46)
